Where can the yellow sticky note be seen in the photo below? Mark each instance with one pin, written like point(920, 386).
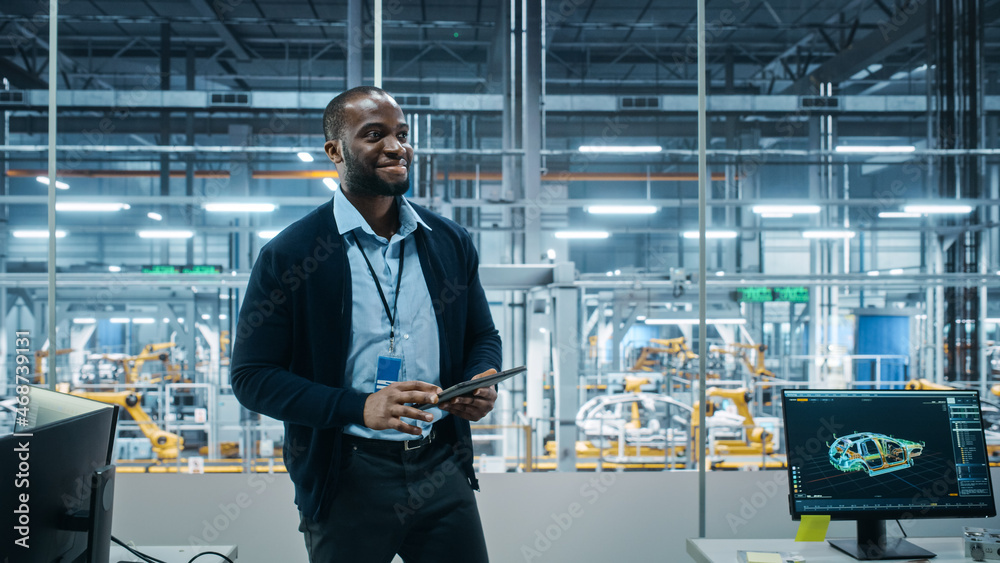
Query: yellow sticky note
point(813, 528)
point(763, 557)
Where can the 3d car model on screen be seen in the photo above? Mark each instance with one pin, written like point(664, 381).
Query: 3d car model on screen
point(874, 453)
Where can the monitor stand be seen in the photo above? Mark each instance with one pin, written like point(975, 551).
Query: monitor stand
point(872, 544)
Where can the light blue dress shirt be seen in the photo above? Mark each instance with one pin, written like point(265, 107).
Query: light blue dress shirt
point(416, 327)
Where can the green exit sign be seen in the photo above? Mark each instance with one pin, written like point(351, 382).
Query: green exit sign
point(754, 294)
point(188, 269)
point(799, 294)
point(792, 294)
point(159, 269)
point(201, 269)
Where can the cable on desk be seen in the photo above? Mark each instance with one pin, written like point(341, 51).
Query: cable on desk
point(210, 553)
point(139, 554)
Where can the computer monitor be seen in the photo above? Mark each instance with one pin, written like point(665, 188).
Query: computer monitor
point(58, 480)
point(873, 456)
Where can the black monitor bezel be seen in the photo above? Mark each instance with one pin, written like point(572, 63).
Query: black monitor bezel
point(885, 514)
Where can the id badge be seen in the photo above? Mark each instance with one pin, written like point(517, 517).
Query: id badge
point(388, 370)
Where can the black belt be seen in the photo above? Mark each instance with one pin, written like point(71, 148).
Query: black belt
point(388, 446)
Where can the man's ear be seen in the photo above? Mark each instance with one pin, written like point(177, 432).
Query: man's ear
point(333, 152)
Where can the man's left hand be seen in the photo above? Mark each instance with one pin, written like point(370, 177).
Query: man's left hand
point(475, 406)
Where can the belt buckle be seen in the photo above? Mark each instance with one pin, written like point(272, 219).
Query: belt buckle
point(417, 444)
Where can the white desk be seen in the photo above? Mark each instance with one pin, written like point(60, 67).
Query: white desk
point(173, 553)
point(948, 550)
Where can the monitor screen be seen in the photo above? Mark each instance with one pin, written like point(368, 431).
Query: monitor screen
point(857, 454)
point(48, 507)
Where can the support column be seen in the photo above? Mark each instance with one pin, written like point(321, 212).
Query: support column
point(531, 125)
point(566, 365)
point(958, 90)
point(189, 84)
point(355, 44)
point(538, 344)
point(164, 133)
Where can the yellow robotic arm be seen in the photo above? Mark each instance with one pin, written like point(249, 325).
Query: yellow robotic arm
point(925, 384)
point(166, 445)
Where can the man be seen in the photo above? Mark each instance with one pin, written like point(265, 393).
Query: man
point(368, 306)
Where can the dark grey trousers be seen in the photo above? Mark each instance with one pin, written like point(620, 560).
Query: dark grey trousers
point(416, 503)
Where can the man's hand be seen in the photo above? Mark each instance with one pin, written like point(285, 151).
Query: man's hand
point(385, 409)
point(475, 406)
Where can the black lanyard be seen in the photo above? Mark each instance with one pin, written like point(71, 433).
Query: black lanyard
point(399, 279)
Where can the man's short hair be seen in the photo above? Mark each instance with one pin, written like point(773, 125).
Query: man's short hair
point(333, 116)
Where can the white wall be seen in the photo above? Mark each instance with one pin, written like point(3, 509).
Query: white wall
point(625, 517)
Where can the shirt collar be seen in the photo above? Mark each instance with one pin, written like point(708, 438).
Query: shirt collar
point(348, 217)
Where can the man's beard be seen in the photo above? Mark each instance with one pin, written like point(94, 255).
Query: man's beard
point(364, 181)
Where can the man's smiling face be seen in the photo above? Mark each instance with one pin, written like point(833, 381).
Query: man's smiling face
point(375, 149)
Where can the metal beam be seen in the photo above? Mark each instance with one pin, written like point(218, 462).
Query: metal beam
point(221, 29)
point(19, 77)
point(783, 105)
point(872, 48)
point(355, 44)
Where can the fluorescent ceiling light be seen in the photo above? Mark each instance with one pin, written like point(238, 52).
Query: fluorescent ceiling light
point(776, 215)
point(84, 321)
point(686, 321)
point(937, 208)
point(165, 234)
point(36, 233)
point(143, 321)
point(166, 320)
point(640, 318)
point(90, 206)
point(711, 234)
point(873, 273)
point(621, 149)
point(154, 216)
point(267, 235)
point(622, 209)
point(582, 234)
point(550, 254)
point(783, 209)
point(305, 157)
point(994, 321)
point(223, 317)
point(330, 183)
point(119, 320)
point(205, 316)
point(828, 234)
point(898, 215)
point(114, 269)
point(240, 207)
point(875, 149)
point(45, 180)
point(896, 272)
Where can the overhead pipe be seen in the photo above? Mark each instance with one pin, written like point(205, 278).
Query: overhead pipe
point(319, 174)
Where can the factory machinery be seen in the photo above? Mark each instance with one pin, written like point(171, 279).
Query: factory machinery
point(173, 418)
point(647, 417)
point(643, 415)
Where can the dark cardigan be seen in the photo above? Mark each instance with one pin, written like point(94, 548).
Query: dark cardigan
point(294, 330)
